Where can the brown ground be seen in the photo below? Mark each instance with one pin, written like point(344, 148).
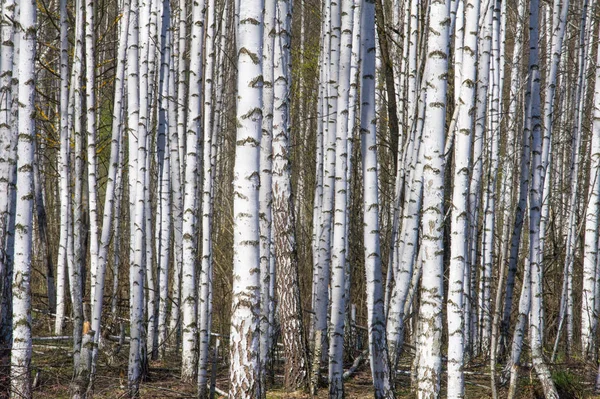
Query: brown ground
point(54, 363)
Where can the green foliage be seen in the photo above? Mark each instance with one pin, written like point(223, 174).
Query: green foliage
point(568, 384)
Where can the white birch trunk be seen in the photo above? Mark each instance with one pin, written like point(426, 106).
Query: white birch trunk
point(177, 199)
point(8, 153)
point(145, 45)
point(21, 290)
point(244, 335)
point(137, 143)
point(589, 316)
point(460, 200)
point(321, 214)
point(164, 221)
point(63, 167)
point(204, 298)
point(189, 304)
point(284, 239)
point(92, 162)
point(380, 367)
point(265, 190)
point(482, 121)
point(432, 284)
point(76, 275)
point(341, 22)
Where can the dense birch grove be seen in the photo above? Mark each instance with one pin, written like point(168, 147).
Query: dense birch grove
point(246, 198)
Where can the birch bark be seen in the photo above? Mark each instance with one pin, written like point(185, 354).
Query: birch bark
point(432, 283)
point(21, 289)
point(244, 335)
point(63, 167)
point(460, 202)
point(380, 367)
point(189, 301)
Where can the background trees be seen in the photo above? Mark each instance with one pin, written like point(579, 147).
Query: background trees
point(474, 121)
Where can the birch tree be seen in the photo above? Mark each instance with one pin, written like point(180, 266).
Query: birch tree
point(190, 202)
point(164, 220)
point(380, 368)
point(244, 335)
point(535, 197)
point(137, 144)
point(206, 270)
point(288, 288)
point(8, 154)
point(63, 167)
point(591, 234)
point(265, 190)
point(460, 202)
point(589, 317)
point(22, 268)
point(432, 288)
point(338, 250)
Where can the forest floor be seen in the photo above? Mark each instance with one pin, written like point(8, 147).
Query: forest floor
point(52, 362)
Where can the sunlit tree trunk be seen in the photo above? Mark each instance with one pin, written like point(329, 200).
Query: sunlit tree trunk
point(265, 190)
point(21, 289)
point(244, 334)
point(206, 270)
point(8, 153)
point(591, 232)
point(483, 331)
point(341, 22)
point(189, 303)
point(137, 143)
point(63, 167)
point(145, 123)
point(92, 162)
point(380, 367)
point(176, 193)
point(589, 317)
point(460, 202)
point(432, 284)
point(164, 220)
point(288, 288)
point(76, 267)
point(323, 203)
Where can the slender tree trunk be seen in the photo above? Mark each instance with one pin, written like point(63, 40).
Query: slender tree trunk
point(164, 222)
point(244, 335)
point(535, 197)
point(432, 284)
point(63, 167)
point(460, 201)
point(380, 367)
point(265, 190)
point(519, 214)
point(76, 272)
point(8, 151)
point(288, 288)
point(594, 193)
point(90, 103)
point(589, 317)
point(338, 251)
point(21, 289)
point(205, 299)
point(189, 303)
point(137, 143)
